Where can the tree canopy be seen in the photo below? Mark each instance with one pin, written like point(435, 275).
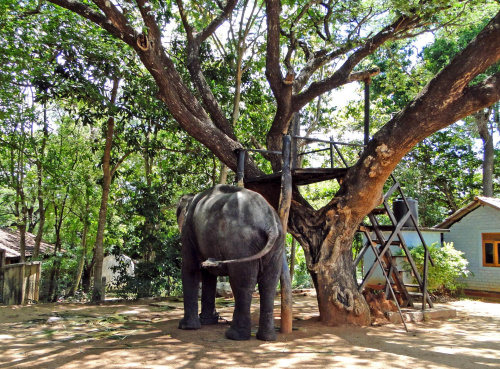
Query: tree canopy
point(234, 74)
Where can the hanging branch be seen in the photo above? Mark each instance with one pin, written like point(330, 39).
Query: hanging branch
point(195, 40)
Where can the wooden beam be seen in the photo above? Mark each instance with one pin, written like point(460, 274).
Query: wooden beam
point(284, 212)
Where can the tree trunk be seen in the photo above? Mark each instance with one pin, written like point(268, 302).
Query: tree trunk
point(87, 275)
point(39, 167)
point(22, 237)
point(54, 272)
point(81, 260)
point(327, 244)
point(148, 222)
point(481, 119)
point(326, 234)
point(106, 184)
point(41, 208)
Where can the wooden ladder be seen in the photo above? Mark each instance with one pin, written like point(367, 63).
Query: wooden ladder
point(380, 245)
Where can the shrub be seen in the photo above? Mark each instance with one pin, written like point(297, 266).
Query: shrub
point(450, 267)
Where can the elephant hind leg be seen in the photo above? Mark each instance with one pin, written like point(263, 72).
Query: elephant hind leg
point(243, 284)
point(267, 291)
point(208, 314)
point(188, 324)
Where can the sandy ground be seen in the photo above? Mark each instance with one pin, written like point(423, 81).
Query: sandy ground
point(139, 335)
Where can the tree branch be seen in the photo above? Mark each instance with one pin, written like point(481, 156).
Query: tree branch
point(447, 98)
point(273, 72)
point(341, 76)
point(154, 32)
point(119, 162)
point(221, 18)
point(116, 24)
point(194, 66)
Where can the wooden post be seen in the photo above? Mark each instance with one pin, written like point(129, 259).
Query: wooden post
point(240, 171)
point(103, 289)
point(424, 284)
point(295, 143)
point(284, 211)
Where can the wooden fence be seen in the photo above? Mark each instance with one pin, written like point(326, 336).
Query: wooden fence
point(19, 283)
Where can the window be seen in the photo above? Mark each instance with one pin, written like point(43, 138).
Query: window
point(491, 249)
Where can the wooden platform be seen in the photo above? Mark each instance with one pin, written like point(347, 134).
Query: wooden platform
point(301, 177)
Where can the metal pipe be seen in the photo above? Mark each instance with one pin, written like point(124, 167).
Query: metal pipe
point(263, 151)
point(240, 169)
point(331, 152)
point(367, 111)
point(327, 141)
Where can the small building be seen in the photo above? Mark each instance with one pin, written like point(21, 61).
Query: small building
point(10, 244)
point(475, 230)
point(19, 282)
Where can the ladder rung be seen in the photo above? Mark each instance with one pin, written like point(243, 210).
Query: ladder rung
point(415, 294)
point(394, 243)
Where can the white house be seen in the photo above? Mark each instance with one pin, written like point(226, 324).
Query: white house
point(110, 262)
point(412, 239)
point(475, 230)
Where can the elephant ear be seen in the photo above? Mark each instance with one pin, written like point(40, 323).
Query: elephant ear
point(182, 206)
point(183, 203)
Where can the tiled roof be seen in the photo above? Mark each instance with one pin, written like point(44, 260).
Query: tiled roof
point(459, 214)
point(10, 242)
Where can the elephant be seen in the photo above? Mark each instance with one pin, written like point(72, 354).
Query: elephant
point(230, 231)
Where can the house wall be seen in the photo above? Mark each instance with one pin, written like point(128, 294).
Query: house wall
point(112, 261)
point(412, 239)
point(466, 237)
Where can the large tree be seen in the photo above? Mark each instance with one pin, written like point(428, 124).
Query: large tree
point(302, 39)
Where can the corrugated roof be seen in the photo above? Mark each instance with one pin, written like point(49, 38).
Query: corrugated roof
point(459, 214)
point(10, 242)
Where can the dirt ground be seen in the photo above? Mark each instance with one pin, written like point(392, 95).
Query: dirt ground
point(140, 335)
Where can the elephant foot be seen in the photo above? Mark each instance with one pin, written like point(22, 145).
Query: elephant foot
point(238, 334)
point(189, 323)
point(209, 319)
point(267, 334)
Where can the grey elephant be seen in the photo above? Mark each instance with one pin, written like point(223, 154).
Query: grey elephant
point(230, 231)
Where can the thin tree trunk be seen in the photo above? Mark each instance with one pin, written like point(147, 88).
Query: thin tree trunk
point(81, 260)
point(41, 206)
point(481, 120)
point(21, 200)
point(148, 222)
point(223, 173)
point(106, 169)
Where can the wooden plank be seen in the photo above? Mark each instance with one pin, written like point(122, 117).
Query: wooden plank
point(301, 177)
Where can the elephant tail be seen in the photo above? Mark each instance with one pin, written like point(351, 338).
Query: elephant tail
point(272, 237)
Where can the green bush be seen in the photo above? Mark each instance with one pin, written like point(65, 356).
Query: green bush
point(450, 267)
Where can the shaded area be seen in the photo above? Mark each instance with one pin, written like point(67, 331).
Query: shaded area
point(139, 335)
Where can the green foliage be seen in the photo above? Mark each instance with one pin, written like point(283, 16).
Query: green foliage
point(449, 271)
point(442, 173)
point(301, 276)
point(160, 277)
point(65, 264)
